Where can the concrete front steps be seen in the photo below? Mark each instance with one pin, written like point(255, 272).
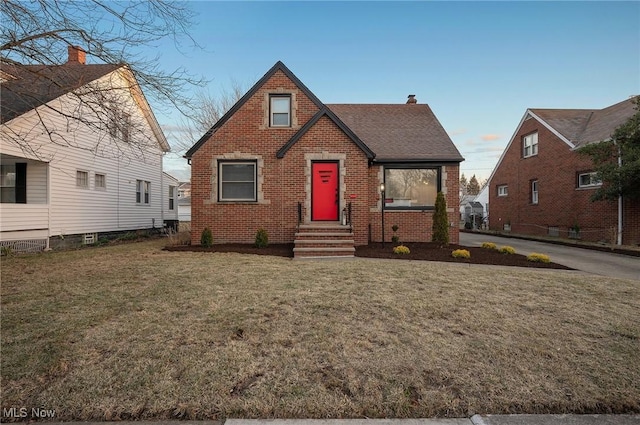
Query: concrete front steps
point(324, 240)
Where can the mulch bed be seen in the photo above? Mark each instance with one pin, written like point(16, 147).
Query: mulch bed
point(419, 251)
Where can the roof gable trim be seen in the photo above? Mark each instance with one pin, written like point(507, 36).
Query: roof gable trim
point(550, 128)
point(324, 111)
point(279, 66)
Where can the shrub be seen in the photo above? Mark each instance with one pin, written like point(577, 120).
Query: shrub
point(489, 245)
point(538, 258)
point(440, 227)
point(507, 250)
point(461, 253)
point(395, 228)
point(401, 250)
point(395, 239)
point(206, 238)
point(262, 238)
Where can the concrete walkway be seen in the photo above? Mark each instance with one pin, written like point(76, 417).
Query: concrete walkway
point(586, 260)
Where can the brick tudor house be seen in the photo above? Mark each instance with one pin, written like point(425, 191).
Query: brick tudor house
point(311, 174)
point(542, 186)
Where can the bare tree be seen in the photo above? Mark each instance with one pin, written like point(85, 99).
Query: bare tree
point(207, 110)
point(35, 39)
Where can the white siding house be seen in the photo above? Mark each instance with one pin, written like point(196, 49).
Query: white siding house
point(64, 172)
point(170, 204)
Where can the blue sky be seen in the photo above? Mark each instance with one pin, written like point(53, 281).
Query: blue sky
point(479, 65)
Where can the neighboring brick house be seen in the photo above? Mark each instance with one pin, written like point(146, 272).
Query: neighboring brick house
point(282, 160)
point(542, 186)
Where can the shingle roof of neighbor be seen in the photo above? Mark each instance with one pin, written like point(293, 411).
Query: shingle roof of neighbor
point(584, 126)
point(399, 132)
point(35, 85)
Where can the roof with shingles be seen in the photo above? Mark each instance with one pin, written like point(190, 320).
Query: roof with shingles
point(402, 132)
point(399, 132)
point(584, 126)
point(36, 85)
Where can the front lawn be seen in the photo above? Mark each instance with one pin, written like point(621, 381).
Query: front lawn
point(134, 332)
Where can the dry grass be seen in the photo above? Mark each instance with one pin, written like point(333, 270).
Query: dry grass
point(133, 332)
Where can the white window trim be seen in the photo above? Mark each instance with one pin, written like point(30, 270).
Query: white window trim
point(588, 186)
point(142, 185)
point(503, 190)
point(531, 138)
point(221, 164)
point(273, 96)
point(95, 181)
point(172, 197)
point(534, 192)
point(81, 186)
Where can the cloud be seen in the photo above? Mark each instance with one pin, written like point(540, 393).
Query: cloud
point(490, 137)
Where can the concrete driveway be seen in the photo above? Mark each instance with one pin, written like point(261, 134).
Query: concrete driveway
point(590, 261)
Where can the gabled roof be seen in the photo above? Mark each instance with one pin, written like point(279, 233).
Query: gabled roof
point(31, 86)
point(328, 113)
point(279, 66)
point(35, 85)
point(402, 132)
point(580, 127)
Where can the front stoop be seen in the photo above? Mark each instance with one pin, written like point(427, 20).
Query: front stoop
point(322, 240)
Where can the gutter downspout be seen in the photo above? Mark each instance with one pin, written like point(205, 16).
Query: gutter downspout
point(619, 235)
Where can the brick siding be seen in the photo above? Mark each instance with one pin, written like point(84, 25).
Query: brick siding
point(561, 203)
point(285, 182)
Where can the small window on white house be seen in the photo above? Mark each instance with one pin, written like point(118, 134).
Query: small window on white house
point(589, 180)
point(120, 126)
point(172, 197)
point(82, 179)
point(534, 191)
point(237, 181)
point(280, 111)
point(530, 145)
point(503, 190)
point(100, 181)
point(142, 191)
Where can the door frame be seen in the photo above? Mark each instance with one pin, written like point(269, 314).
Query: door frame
point(327, 161)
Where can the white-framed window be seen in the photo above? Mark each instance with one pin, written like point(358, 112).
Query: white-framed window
point(172, 197)
point(534, 191)
point(237, 181)
point(8, 183)
point(143, 189)
point(503, 190)
point(120, 126)
point(589, 180)
point(411, 188)
point(530, 145)
point(100, 181)
point(82, 179)
point(280, 110)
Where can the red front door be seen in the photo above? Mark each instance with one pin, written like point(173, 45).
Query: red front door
point(324, 191)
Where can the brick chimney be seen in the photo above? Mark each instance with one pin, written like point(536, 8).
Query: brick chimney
point(411, 99)
point(77, 55)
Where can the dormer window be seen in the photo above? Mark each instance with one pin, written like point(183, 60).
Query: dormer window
point(280, 111)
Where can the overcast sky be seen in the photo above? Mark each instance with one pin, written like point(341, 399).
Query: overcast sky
point(479, 65)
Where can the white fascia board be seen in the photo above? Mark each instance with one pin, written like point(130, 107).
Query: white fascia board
point(553, 130)
point(147, 112)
